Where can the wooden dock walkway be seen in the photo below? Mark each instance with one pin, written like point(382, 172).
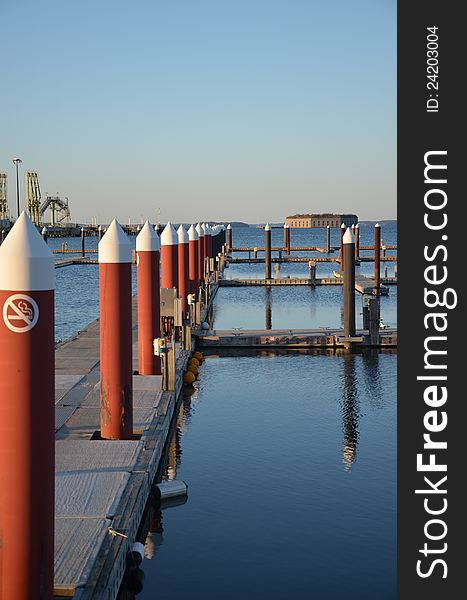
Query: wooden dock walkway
point(363, 284)
point(77, 260)
point(306, 259)
point(101, 486)
point(290, 338)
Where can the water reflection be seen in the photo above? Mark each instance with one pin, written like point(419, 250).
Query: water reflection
point(267, 304)
point(350, 410)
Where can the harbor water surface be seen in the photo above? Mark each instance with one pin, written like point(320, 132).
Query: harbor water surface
point(290, 457)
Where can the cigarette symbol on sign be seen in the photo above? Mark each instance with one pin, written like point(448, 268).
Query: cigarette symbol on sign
point(20, 313)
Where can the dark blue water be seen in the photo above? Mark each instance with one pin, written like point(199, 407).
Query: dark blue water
point(290, 457)
point(291, 466)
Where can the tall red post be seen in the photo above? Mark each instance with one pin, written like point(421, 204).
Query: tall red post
point(205, 242)
point(200, 232)
point(116, 368)
point(209, 234)
point(229, 237)
point(183, 267)
point(83, 246)
point(377, 258)
point(357, 241)
point(149, 299)
point(169, 257)
point(193, 259)
point(27, 415)
point(341, 254)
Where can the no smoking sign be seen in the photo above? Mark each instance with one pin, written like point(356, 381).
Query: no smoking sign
point(20, 313)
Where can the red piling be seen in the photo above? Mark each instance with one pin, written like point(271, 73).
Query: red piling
point(357, 241)
point(200, 232)
point(193, 259)
point(376, 290)
point(27, 415)
point(83, 248)
point(116, 368)
point(169, 257)
point(341, 254)
point(229, 237)
point(149, 299)
point(183, 267)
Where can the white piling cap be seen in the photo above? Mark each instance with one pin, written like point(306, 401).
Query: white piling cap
point(286, 226)
point(182, 235)
point(229, 226)
point(328, 226)
point(349, 237)
point(26, 262)
point(169, 235)
point(192, 234)
point(357, 225)
point(268, 227)
point(377, 225)
point(207, 229)
point(147, 240)
point(44, 230)
point(100, 227)
point(82, 228)
point(343, 225)
point(114, 247)
point(199, 230)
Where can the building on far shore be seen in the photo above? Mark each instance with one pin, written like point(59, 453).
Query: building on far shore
point(321, 220)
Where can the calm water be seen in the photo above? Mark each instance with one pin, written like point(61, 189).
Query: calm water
point(290, 457)
point(291, 466)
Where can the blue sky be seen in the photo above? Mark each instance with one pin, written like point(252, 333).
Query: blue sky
point(209, 109)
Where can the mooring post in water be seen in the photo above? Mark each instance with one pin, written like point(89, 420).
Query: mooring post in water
point(149, 299)
point(285, 237)
point(83, 248)
point(193, 259)
point(229, 237)
point(99, 233)
point(27, 415)
point(376, 290)
point(116, 367)
point(349, 283)
point(3, 236)
point(371, 318)
point(44, 234)
point(312, 271)
point(267, 250)
point(328, 239)
point(341, 251)
point(200, 232)
point(169, 257)
point(357, 242)
point(289, 239)
point(183, 268)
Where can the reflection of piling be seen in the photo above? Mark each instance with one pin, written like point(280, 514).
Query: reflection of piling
point(268, 307)
point(27, 414)
point(83, 243)
point(328, 239)
point(267, 248)
point(377, 259)
point(116, 365)
point(357, 242)
point(350, 408)
point(341, 251)
point(149, 319)
point(348, 241)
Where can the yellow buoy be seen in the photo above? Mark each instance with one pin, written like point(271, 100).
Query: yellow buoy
point(189, 377)
point(193, 361)
point(198, 356)
point(193, 369)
